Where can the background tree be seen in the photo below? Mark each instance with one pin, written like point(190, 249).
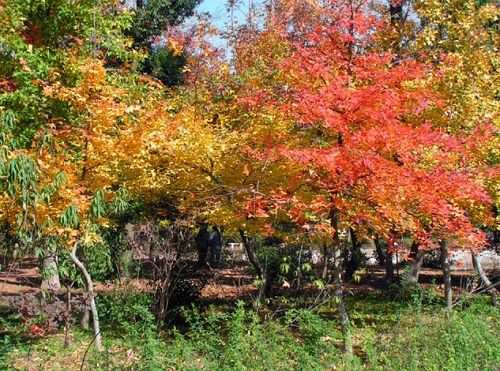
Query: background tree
point(152, 20)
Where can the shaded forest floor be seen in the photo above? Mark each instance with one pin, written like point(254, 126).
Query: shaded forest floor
point(229, 282)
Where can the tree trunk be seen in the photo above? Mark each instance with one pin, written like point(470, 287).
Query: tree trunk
point(84, 320)
point(380, 252)
point(251, 255)
point(91, 296)
point(202, 246)
point(389, 268)
point(415, 266)
point(165, 281)
point(341, 306)
point(353, 258)
point(446, 267)
point(339, 287)
point(67, 317)
point(385, 259)
point(484, 278)
point(50, 273)
point(396, 12)
point(262, 274)
point(326, 256)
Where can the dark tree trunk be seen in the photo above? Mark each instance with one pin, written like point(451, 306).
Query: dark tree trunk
point(165, 279)
point(383, 252)
point(353, 257)
point(270, 276)
point(397, 21)
point(380, 251)
point(202, 246)
point(251, 255)
point(215, 246)
point(263, 273)
point(389, 268)
point(446, 267)
point(396, 11)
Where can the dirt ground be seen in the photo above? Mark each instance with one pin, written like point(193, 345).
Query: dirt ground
point(228, 283)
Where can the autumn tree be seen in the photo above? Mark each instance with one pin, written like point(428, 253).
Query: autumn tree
point(372, 160)
point(58, 112)
point(461, 40)
point(40, 42)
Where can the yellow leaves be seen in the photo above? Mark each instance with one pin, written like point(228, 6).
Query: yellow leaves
point(176, 46)
point(132, 109)
point(464, 34)
point(90, 237)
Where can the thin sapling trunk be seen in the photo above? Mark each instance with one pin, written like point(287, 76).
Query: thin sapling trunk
point(91, 297)
point(484, 278)
point(339, 286)
point(446, 267)
point(67, 317)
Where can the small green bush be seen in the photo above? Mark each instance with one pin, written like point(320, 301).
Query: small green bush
point(240, 340)
point(127, 313)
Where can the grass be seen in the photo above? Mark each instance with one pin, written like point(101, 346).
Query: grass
point(388, 334)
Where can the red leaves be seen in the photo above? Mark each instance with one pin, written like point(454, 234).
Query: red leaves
point(363, 141)
point(36, 331)
point(256, 207)
point(7, 85)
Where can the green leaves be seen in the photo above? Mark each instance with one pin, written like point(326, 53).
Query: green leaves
point(121, 203)
point(98, 205)
point(21, 174)
point(70, 217)
point(155, 15)
point(51, 189)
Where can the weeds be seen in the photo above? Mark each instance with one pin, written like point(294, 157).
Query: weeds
point(389, 335)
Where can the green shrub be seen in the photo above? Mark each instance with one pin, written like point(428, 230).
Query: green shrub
point(388, 335)
point(240, 340)
point(97, 260)
point(414, 295)
point(127, 313)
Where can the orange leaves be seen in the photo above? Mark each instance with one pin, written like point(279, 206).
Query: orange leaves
point(246, 170)
point(85, 149)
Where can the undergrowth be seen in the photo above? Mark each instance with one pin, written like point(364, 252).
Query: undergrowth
point(389, 334)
